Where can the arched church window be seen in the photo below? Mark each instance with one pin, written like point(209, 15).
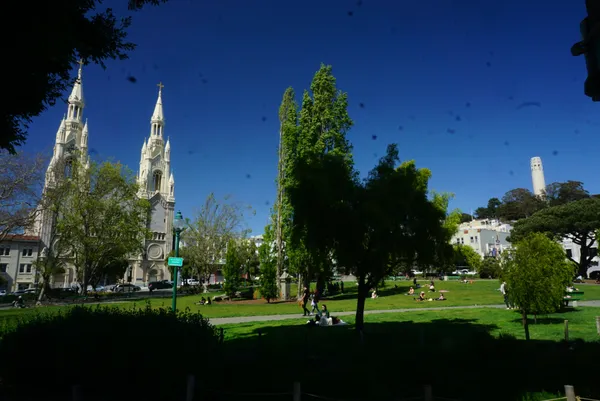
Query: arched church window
point(172, 189)
point(157, 179)
point(68, 168)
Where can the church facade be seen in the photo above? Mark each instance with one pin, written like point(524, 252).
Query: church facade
point(155, 180)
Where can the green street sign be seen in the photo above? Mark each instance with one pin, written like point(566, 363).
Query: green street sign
point(177, 262)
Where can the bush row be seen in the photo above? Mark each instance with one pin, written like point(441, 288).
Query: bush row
point(105, 349)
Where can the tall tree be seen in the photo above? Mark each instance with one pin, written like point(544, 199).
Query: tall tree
point(577, 220)
point(206, 237)
point(269, 288)
point(465, 218)
point(518, 204)
point(288, 129)
point(490, 211)
point(537, 274)
point(323, 125)
point(560, 193)
point(444, 257)
point(103, 219)
point(369, 226)
point(248, 254)
point(57, 33)
point(232, 269)
point(21, 183)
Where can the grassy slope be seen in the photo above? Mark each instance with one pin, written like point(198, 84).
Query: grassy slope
point(483, 292)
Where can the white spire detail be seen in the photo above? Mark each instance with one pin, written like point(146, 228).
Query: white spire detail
point(158, 115)
point(60, 134)
point(77, 92)
point(171, 179)
point(84, 135)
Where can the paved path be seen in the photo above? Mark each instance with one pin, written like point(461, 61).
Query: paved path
point(269, 318)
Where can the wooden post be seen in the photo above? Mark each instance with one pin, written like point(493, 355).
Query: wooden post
point(570, 393)
point(598, 324)
point(428, 393)
point(566, 331)
point(76, 393)
point(297, 393)
point(191, 386)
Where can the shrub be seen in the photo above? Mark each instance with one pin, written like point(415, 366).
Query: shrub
point(107, 349)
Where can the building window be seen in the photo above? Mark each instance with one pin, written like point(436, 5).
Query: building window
point(569, 253)
point(156, 179)
point(462, 241)
point(68, 168)
point(593, 252)
point(3, 267)
point(27, 251)
point(25, 268)
point(472, 240)
point(5, 251)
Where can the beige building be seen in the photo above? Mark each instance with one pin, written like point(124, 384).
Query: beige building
point(486, 237)
point(17, 256)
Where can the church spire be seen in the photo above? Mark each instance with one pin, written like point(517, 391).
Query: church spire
point(76, 100)
point(157, 121)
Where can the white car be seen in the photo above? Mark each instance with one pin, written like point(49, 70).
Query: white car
point(2, 293)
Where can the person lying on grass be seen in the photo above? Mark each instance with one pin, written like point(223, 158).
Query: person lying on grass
point(323, 319)
point(441, 298)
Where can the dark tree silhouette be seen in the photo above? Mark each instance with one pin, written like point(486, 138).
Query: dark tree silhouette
point(45, 46)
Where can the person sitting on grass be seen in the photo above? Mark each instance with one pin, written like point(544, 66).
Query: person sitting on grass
point(374, 294)
point(441, 298)
point(411, 291)
point(421, 297)
point(431, 287)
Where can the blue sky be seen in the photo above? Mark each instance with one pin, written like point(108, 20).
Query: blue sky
point(446, 80)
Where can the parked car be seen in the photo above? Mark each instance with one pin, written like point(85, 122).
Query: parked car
point(126, 288)
point(2, 293)
point(159, 285)
point(193, 281)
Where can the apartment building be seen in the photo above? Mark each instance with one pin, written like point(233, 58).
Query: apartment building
point(17, 256)
point(486, 237)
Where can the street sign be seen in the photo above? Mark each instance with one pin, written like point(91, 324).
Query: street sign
point(177, 262)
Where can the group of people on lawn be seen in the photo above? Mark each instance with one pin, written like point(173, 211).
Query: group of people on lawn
point(321, 316)
point(422, 297)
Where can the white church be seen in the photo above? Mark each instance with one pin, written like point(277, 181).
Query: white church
point(155, 179)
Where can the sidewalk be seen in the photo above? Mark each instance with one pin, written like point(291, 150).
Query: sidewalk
point(269, 318)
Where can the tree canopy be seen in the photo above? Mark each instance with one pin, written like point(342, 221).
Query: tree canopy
point(577, 220)
point(21, 183)
point(210, 230)
point(103, 221)
point(58, 34)
point(520, 203)
point(368, 225)
point(537, 275)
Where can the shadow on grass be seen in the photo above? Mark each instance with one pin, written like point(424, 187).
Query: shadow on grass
point(545, 319)
point(394, 360)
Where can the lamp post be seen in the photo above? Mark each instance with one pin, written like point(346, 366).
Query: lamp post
point(177, 229)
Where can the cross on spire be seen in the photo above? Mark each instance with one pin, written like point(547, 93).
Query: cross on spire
point(160, 86)
point(79, 73)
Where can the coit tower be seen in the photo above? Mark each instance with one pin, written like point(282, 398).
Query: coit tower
point(537, 176)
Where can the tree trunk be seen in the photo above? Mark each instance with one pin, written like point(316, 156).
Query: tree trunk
point(360, 304)
point(525, 325)
point(299, 289)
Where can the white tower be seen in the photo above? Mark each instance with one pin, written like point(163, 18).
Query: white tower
point(537, 176)
point(157, 184)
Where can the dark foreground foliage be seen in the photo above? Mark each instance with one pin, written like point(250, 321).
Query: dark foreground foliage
point(146, 355)
point(113, 354)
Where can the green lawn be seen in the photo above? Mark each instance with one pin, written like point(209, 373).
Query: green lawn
point(582, 323)
point(483, 292)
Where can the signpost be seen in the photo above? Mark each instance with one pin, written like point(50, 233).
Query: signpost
point(175, 262)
